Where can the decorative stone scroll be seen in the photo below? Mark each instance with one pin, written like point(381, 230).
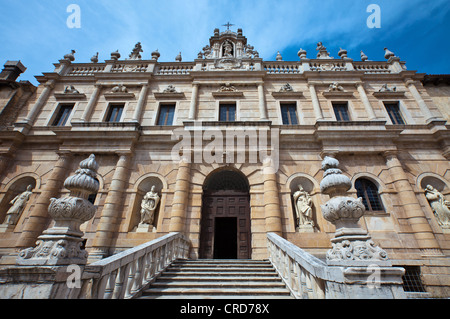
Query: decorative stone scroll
point(351, 245)
point(61, 244)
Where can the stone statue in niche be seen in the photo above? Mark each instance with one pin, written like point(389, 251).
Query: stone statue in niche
point(440, 206)
point(148, 206)
point(227, 50)
point(18, 205)
point(303, 208)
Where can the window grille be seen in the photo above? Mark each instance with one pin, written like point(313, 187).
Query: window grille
point(368, 191)
point(412, 279)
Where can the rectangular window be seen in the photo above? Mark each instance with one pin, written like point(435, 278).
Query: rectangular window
point(289, 114)
point(341, 112)
point(166, 114)
point(115, 112)
point(63, 114)
point(394, 113)
point(227, 112)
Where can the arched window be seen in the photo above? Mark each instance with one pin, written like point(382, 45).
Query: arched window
point(368, 191)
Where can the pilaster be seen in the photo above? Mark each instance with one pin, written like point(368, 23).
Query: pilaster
point(110, 216)
point(271, 201)
point(180, 197)
point(413, 211)
point(37, 220)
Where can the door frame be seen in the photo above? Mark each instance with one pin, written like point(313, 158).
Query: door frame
point(207, 223)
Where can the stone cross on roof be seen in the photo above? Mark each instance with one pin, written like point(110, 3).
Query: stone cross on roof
point(228, 25)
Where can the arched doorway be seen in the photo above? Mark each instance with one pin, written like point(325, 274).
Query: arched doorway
point(225, 224)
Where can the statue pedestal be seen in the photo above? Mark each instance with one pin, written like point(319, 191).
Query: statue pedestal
point(145, 228)
point(305, 229)
point(6, 227)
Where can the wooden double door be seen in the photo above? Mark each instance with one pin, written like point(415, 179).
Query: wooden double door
point(225, 225)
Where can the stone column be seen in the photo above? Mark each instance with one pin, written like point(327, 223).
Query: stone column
point(90, 106)
point(193, 105)
point(112, 208)
point(366, 102)
point(423, 106)
point(262, 102)
point(315, 102)
point(180, 197)
point(271, 200)
point(37, 221)
point(31, 117)
point(140, 105)
point(413, 211)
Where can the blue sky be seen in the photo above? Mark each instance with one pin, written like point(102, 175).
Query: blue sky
point(36, 32)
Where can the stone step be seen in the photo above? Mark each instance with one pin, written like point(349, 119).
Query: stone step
point(216, 284)
point(211, 279)
point(221, 269)
point(187, 297)
point(217, 291)
point(215, 277)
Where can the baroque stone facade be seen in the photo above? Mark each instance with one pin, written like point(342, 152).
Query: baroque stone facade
point(225, 141)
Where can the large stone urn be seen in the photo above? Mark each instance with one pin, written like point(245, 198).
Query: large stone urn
point(351, 244)
point(62, 243)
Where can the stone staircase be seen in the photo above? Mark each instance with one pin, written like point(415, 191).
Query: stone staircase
point(218, 279)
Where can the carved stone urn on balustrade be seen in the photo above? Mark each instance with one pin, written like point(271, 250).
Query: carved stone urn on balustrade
point(62, 243)
point(351, 245)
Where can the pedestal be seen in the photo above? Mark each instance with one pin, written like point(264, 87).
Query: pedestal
point(305, 229)
point(145, 228)
point(6, 227)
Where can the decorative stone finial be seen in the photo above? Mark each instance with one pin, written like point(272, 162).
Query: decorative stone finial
point(115, 55)
point(301, 54)
point(155, 55)
point(388, 54)
point(364, 57)
point(70, 56)
point(279, 57)
point(136, 52)
point(351, 245)
point(94, 59)
point(178, 57)
point(342, 53)
point(61, 244)
point(323, 53)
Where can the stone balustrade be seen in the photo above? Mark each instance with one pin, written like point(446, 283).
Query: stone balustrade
point(372, 67)
point(304, 274)
point(282, 67)
point(86, 69)
point(308, 277)
point(271, 67)
point(124, 275)
point(174, 68)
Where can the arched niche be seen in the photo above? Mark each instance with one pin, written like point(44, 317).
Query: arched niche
point(310, 186)
point(14, 188)
point(142, 186)
point(434, 180)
